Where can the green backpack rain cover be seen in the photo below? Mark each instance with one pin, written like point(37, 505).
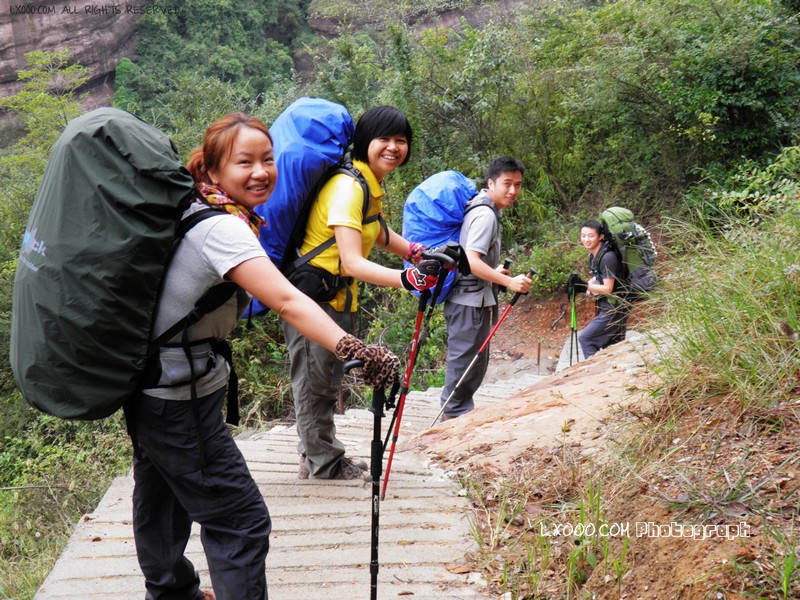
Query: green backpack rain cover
point(635, 249)
point(95, 250)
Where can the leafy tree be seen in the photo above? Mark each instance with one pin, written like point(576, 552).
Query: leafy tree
point(125, 97)
point(656, 91)
point(226, 40)
point(44, 106)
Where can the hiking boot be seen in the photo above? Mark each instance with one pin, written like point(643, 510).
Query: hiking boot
point(348, 471)
point(303, 472)
point(361, 464)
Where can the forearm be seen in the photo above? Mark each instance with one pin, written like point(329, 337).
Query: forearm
point(600, 289)
point(483, 271)
point(260, 277)
point(356, 265)
point(366, 270)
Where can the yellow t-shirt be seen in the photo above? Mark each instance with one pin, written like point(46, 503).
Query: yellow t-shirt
point(340, 203)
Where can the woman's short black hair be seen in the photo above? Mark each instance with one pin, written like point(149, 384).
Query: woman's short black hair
point(378, 122)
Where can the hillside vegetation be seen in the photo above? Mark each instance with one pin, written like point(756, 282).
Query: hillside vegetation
point(684, 110)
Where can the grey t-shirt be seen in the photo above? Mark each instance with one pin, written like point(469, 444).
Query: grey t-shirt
point(207, 252)
point(480, 233)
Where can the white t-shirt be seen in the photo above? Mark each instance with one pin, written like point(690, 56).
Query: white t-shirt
point(207, 252)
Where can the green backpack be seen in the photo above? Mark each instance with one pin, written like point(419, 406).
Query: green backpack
point(104, 224)
point(635, 251)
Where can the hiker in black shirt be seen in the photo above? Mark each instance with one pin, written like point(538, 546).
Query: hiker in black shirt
point(611, 319)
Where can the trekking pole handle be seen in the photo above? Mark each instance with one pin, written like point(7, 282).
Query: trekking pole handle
point(506, 264)
point(513, 301)
point(353, 364)
point(443, 259)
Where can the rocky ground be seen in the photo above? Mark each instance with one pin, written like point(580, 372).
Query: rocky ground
point(705, 494)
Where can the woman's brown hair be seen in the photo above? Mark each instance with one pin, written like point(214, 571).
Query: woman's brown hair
point(218, 144)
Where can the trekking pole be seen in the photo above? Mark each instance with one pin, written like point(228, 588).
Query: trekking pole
point(573, 336)
point(506, 264)
point(447, 263)
point(511, 303)
point(376, 462)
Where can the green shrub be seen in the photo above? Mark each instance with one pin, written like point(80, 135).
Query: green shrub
point(262, 365)
point(733, 304)
point(50, 474)
point(749, 192)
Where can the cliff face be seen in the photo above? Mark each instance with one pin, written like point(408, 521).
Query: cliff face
point(359, 16)
point(98, 35)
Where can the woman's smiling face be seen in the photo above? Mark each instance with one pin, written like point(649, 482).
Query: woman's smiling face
point(249, 173)
point(386, 153)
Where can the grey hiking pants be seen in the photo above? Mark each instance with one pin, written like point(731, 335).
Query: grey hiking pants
point(467, 329)
point(315, 376)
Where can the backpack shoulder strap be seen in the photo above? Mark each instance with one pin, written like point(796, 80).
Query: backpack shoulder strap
point(470, 207)
point(208, 302)
point(347, 168)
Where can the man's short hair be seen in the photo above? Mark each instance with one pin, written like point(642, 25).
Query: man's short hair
point(504, 164)
point(592, 224)
point(378, 122)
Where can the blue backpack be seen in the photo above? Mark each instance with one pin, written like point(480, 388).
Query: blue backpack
point(434, 212)
point(310, 140)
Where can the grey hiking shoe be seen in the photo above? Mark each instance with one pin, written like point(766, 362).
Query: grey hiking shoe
point(303, 472)
point(349, 470)
point(361, 464)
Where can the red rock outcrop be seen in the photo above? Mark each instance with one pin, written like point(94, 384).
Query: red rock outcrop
point(98, 35)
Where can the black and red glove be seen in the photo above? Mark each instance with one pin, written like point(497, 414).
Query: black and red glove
point(421, 277)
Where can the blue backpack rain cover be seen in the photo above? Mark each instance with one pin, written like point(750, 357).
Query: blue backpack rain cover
point(309, 137)
point(434, 212)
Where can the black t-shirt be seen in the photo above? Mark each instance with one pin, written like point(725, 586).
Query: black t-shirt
point(608, 265)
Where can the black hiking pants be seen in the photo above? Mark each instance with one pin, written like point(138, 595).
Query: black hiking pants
point(608, 327)
point(187, 468)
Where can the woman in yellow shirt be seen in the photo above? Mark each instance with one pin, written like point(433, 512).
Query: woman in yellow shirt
point(382, 142)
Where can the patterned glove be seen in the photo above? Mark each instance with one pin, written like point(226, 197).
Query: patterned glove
point(414, 254)
point(422, 277)
point(381, 367)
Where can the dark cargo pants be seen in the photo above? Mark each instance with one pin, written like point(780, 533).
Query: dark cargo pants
point(608, 327)
point(188, 468)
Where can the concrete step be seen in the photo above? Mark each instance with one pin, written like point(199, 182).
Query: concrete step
point(320, 543)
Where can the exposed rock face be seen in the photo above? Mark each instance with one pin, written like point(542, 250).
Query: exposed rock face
point(361, 16)
point(98, 34)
